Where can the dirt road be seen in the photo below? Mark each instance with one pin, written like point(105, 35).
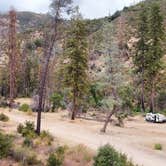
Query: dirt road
point(137, 139)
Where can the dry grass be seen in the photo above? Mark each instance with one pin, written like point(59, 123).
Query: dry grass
point(79, 156)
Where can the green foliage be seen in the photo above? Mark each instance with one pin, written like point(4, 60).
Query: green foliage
point(56, 158)
point(156, 32)
point(161, 101)
point(24, 108)
point(96, 94)
point(57, 101)
point(28, 142)
point(27, 130)
point(4, 118)
point(75, 70)
point(108, 156)
point(149, 51)
point(38, 43)
point(126, 95)
point(158, 147)
point(5, 145)
point(140, 59)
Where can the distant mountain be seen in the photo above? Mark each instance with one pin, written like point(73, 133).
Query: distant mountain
point(31, 22)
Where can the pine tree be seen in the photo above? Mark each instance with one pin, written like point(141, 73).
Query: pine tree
point(140, 58)
point(76, 69)
point(156, 33)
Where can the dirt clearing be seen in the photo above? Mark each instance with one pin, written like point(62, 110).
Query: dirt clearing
point(136, 139)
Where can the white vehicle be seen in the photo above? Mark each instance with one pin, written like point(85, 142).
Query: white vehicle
point(155, 118)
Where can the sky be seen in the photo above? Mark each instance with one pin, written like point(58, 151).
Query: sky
point(88, 8)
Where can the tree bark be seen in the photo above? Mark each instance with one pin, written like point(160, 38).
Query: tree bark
point(142, 93)
point(152, 98)
point(47, 56)
point(74, 110)
point(115, 109)
point(12, 56)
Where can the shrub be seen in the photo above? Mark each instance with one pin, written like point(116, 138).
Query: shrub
point(56, 158)
point(158, 147)
point(24, 108)
point(108, 156)
point(5, 145)
point(57, 101)
point(161, 101)
point(27, 130)
point(20, 128)
point(4, 118)
point(28, 142)
point(24, 155)
point(38, 43)
point(46, 137)
point(3, 102)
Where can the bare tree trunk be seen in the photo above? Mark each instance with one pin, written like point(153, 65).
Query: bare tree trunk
point(74, 110)
point(152, 98)
point(142, 93)
point(115, 109)
point(12, 55)
point(44, 72)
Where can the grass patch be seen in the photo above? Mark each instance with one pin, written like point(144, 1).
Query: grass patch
point(24, 108)
point(158, 147)
point(79, 154)
point(4, 118)
point(25, 155)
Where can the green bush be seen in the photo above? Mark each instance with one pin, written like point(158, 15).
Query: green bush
point(161, 101)
point(5, 145)
point(20, 128)
point(158, 147)
point(108, 156)
point(38, 43)
point(4, 118)
point(57, 101)
point(27, 130)
point(24, 108)
point(28, 142)
point(56, 158)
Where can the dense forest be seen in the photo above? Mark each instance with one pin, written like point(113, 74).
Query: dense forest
point(105, 70)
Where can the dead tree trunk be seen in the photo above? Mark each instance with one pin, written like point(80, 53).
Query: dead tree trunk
point(115, 109)
point(45, 68)
point(12, 56)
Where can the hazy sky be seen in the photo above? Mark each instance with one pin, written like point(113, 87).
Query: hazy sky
point(89, 8)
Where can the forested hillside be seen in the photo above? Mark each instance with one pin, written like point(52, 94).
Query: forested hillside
point(95, 72)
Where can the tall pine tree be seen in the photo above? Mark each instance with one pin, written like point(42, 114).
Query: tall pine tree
point(156, 33)
point(75, 51)
point(140, 59)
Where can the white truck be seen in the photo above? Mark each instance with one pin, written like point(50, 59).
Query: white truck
point(155, 118)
